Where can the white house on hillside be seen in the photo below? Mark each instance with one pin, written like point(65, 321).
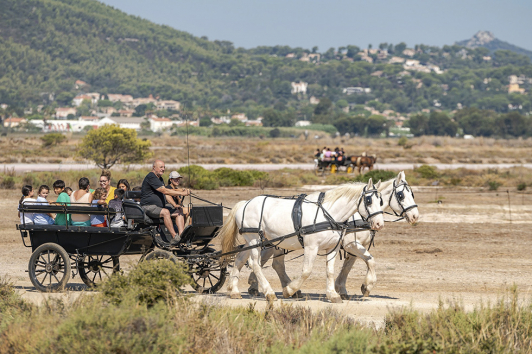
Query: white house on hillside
point(299, 87)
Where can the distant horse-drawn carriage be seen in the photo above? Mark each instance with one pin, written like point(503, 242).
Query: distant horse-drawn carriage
point(345, 164)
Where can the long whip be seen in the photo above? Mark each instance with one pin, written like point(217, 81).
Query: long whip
point(188, 160)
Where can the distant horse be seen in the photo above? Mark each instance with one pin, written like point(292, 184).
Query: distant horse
point(361, 162)
point(272, 217)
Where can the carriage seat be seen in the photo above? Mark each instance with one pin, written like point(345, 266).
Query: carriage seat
point(70, 228)
point(134, 211)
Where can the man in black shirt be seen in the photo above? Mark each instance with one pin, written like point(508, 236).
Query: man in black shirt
point(153, 201)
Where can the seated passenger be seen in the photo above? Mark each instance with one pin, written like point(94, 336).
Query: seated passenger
point(123, 184)
point(100, 194)
point(81, 197)
point(43, 218)
point(153, 201)
point(68, 191)
point(176, 202)
point(317, 156)
point(27, 199)
point(137, 189)
point(328, 155)
point(105, 182)
point(116, 204)
point(62, 199)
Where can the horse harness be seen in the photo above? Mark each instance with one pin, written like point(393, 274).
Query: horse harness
point(297, 214)
point(399, 197)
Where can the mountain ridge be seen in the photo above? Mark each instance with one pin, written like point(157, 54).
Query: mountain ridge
point(487, 39)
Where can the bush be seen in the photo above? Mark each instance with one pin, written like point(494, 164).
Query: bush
point(8, 183)
point(402, 141)
point(376, 175)
point(148, 283)
point(428, 172)
point(53, 139)
point(494, 185)
point(275, 133)
point(521, 186)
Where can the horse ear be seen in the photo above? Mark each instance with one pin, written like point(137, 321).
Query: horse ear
point(399, 178)
point(378, 184)
point(370, 184)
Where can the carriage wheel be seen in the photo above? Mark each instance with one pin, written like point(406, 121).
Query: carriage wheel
point(208, 276)
point(49, 267)
point(95, 269)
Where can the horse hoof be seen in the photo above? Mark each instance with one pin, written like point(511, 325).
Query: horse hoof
point(271, 297)
point(253, 292)
point(236, 296)
point(344, 296)
point(286, 295)
point(365, 291)
point(336, 300)
point(297, 295)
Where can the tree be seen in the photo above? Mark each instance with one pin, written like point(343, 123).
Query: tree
point(52, 139)
point(376, 124)
point(419, 125)
point(111, 144)
point(441, 124)
point(205, 122)
point(323, 107)
point(273, 118)
point(352, 50)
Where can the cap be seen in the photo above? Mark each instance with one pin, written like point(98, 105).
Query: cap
point(175, 174)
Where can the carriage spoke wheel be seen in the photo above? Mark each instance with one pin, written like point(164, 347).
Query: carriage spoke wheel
point(95, 269)
point(208, 277)
point(49, 267)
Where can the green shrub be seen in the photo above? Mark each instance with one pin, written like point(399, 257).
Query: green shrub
point(376, 175)
point(275, 133)
point(521, 186)
point(402, 141)
point(147, 283)
point(494, 185)
point(8, 183)
point(428, 172)
point(53, 139)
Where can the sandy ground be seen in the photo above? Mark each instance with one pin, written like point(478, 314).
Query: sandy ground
point(469, 248)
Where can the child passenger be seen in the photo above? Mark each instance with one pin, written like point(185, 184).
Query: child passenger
point(68, 191)
point(62, 199)
point(43, 218)
point(116, 204)
point(100, 194)
point(27, 198)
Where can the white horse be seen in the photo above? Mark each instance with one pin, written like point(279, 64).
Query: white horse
point(272, 216)
point(397, 196)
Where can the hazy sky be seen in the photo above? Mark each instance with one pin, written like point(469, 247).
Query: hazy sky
point(335, 23)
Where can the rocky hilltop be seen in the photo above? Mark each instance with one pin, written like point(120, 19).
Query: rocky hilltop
point(487, 40)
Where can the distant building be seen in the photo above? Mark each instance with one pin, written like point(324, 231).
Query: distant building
point(126, 112)
point(314, 100)
point(168, 104)
point(14, 122)
point(120, 98)
point(78, 100)
point(302, 123)
point(63, 112)
point(514, 88)
point(299, 87)
point(409, 52)
point(160, 124)
point(240, 116)
point(396, 60)
point(254, 123)
point(89, 119)
point(79, 84)
point(356, 90)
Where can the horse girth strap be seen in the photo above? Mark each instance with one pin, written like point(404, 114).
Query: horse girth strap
point(297, 214)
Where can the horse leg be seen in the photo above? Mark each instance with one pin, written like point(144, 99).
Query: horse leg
point(308, 262)
point(340, 284)
point(253, 283)
point(279, 266)
point(232, 286)
point(371, 277)
point(257, 269)
point(332, 295)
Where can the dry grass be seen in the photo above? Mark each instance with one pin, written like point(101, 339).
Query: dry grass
point(428, 149)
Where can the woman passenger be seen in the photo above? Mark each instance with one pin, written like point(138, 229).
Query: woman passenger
point(27, 198)
point(82, 195)
point(99, 199)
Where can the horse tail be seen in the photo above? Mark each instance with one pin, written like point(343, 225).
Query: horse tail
point(358, 160)
point(229, 231)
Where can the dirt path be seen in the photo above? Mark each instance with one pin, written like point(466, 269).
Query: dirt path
point(464, 249)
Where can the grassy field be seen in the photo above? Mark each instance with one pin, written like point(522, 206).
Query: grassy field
point(28, 149)
point(133, 314)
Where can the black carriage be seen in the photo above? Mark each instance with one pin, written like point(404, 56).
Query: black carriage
point(94, 252)
point(334, 166)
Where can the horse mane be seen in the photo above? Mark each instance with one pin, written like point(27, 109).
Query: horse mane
point(348, 190)
point(385, 184)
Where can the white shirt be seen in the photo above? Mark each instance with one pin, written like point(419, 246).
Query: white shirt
point(27, 217)
point(40, 218)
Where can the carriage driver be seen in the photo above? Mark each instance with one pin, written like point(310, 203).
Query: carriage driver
point(153, 199)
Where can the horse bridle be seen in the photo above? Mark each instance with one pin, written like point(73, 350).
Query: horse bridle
point(367, 197)
point(399, 197)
